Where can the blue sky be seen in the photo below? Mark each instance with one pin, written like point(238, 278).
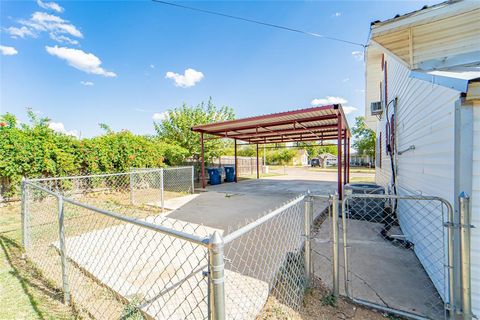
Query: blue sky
point(84, 62)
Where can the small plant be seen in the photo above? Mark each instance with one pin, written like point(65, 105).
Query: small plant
point(392, 317)
point(131, 311)
point(329, 300)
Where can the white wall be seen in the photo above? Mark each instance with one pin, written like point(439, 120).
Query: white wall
point(425, 119)
point(475, 202)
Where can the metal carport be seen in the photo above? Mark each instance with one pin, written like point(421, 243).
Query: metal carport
point(325, 123)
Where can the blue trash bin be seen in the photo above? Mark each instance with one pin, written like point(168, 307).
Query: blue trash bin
point(229, 173)
point(215, 176)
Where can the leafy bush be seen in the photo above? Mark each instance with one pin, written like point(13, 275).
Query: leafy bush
point(35, 150)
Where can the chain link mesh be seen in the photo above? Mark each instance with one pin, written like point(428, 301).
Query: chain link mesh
point(269, 260)
point(397, 255)
point(116, 267)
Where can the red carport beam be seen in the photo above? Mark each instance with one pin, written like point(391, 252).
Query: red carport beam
point(202, 159)
point(339, 156)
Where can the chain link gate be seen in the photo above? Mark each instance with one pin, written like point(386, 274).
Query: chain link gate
point(398, 253)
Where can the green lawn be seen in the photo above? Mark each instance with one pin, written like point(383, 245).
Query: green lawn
point(23, 293)
point(352, 169)
point(369, 179)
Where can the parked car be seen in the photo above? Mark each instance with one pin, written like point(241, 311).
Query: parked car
point(315, 162)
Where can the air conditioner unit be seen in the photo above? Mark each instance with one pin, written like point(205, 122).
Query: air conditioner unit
point(376, 108)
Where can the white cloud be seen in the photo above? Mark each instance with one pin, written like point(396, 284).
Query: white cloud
point(337, 14)
point(60, 128)
point(49, 22)
point(152, 66)
point(8, 51)
point(188, 79)
point(21, 32)
point(61, 38)
point(50, 6)
point(328, 100)
point(348, 109)
point(345, 79)
point(334, 100)
point(358, 55)
point(160, 116)
point(87, 83)
point(86, 62)
point(360, 90)
point(58, 28)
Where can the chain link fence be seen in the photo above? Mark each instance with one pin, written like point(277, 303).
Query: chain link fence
point(115, 259)
point(397, 253)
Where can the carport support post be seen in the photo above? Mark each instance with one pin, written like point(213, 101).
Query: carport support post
point(308, 248)
point(235, 160)
point(345, 156)
point(216, 277)
point(348, 161)
point(339, 155)
point(335, 266)
point(202, 160)
point(63, 258)
point(258, 166)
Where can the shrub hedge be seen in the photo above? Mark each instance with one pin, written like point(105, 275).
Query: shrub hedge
point(35, 150)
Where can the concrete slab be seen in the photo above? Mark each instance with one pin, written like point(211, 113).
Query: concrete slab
point(174, 203)
point(230, 205)
point(164, 271)
point(380, 272)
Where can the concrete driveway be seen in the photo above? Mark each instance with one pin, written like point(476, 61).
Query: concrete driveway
point(230, 205)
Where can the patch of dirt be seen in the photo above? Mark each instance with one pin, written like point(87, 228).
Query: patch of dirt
point(319, 304)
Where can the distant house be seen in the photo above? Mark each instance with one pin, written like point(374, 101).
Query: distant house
point(301, 158)
point(327, 159)
point(423, 100)
point(359, 160)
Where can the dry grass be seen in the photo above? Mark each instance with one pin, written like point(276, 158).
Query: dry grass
point(319, 304)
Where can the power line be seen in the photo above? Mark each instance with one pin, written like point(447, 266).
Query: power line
point(313, 34)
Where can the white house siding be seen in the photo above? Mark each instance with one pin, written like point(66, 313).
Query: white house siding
point(425, 119)
point(475, 202)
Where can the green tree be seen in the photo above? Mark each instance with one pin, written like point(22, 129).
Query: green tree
point(364, 142)
point(175, 129)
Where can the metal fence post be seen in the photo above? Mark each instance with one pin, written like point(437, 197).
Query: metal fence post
point(335, 262)
point(308, 246)
point(25, 240)
point(193, 179)
point(345, 245)
point(131, 186)
point(63, 258)
point(216, 277)
point(464, 207)
point(162, 200)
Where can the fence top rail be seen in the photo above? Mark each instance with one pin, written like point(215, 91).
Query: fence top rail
point(249, 227)
point(391, 196)
point(50, 192)
point(91, 176)
point(158, 228)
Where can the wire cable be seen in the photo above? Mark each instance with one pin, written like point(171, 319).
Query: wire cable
point(313, 34)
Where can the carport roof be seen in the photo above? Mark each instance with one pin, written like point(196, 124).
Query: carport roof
point(310, 124)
